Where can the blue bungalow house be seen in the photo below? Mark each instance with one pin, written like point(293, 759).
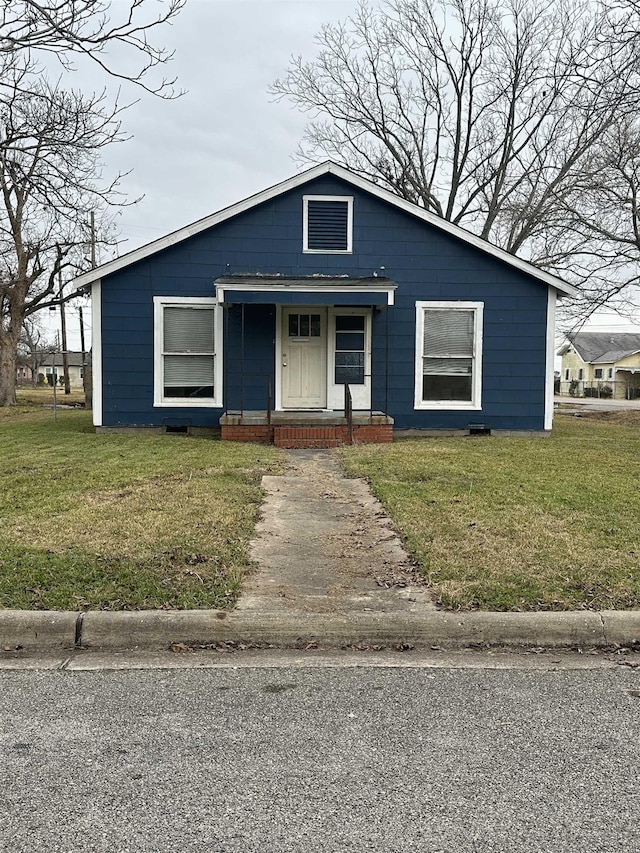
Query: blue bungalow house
point(321, 310)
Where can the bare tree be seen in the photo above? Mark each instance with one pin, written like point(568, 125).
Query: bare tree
point(485, 112)
point(49, 176)
point(603, 216)
point(93, 28)
point(51, 140)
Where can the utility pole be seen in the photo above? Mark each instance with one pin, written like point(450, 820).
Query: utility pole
point(54, 378)
point(84, 352)
point(92, 229)
point(63, 327)
point(86, 368)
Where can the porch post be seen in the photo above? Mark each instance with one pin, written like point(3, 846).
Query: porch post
point(242, 359)
point(386, 361)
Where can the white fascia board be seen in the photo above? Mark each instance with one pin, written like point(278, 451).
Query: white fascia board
point(303, 178)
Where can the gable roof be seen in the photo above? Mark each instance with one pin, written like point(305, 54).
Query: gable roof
point(327, 168)
point(603, 347)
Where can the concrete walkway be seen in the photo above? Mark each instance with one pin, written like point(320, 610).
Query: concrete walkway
point(326, 545)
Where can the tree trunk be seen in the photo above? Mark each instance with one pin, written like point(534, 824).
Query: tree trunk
point(8, 365)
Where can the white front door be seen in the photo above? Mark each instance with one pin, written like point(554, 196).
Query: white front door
point(304, 358)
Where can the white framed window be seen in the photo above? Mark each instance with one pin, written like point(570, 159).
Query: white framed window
point(448, 372)
point(597, 373)
point(327, 224)
point(567, 375)
point(610, 373)
point(187, 352)
point(580, 374)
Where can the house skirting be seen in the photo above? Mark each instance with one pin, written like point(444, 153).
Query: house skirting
point(306, 429)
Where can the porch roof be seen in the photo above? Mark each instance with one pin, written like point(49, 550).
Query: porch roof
point(305, 290)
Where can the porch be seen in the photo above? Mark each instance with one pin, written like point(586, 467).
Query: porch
point(309, 348)
point(290, 429)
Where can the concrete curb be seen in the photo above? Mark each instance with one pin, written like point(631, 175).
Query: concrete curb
point(158, 629)
point(38, 629)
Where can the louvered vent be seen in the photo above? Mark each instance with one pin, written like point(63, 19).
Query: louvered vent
point(328, 226)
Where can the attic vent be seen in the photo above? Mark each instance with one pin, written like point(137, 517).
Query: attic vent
point(328, 223)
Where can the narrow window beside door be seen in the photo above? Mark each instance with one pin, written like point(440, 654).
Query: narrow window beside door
point(350, 349)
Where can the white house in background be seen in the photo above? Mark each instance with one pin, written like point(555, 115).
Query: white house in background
point(76, 368)
point(601, 364)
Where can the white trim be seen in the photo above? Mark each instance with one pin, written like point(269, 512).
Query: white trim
point(303, 178)
point(549, 380)
point(96, 351)
point(161, 302)
point(305, 224)
point(476, 389)
point(361, 394)
point(277, 287)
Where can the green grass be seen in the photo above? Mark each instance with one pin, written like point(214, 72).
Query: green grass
point(122, 521)
point(519, 523)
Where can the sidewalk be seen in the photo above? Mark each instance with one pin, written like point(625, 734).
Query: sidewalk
point(594, 404)
point(331, 573)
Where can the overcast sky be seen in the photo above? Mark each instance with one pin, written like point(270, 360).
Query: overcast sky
point(225, 138)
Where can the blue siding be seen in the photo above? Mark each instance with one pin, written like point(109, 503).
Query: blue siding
point(425, 263)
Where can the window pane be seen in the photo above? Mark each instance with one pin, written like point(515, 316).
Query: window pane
point(447, 366)
point(188, 329)
point(441, 387)
point(293, 325)
point(350, 340)
point(448, 332)
point(189, 391)
point(315, 325)
point(350, 322)
point(350, 375)
point(349, 368)
point(189, 375)
point(304, 325)
point(350, 359)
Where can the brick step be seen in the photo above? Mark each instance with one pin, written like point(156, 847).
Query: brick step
point(300, 436)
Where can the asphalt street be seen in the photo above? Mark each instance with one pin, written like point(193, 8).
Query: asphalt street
point(320, 759)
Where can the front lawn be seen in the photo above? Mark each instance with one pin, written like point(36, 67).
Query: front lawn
point(519, 523)
point(121, 521)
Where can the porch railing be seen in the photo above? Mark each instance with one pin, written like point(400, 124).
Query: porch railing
point(348, 411)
